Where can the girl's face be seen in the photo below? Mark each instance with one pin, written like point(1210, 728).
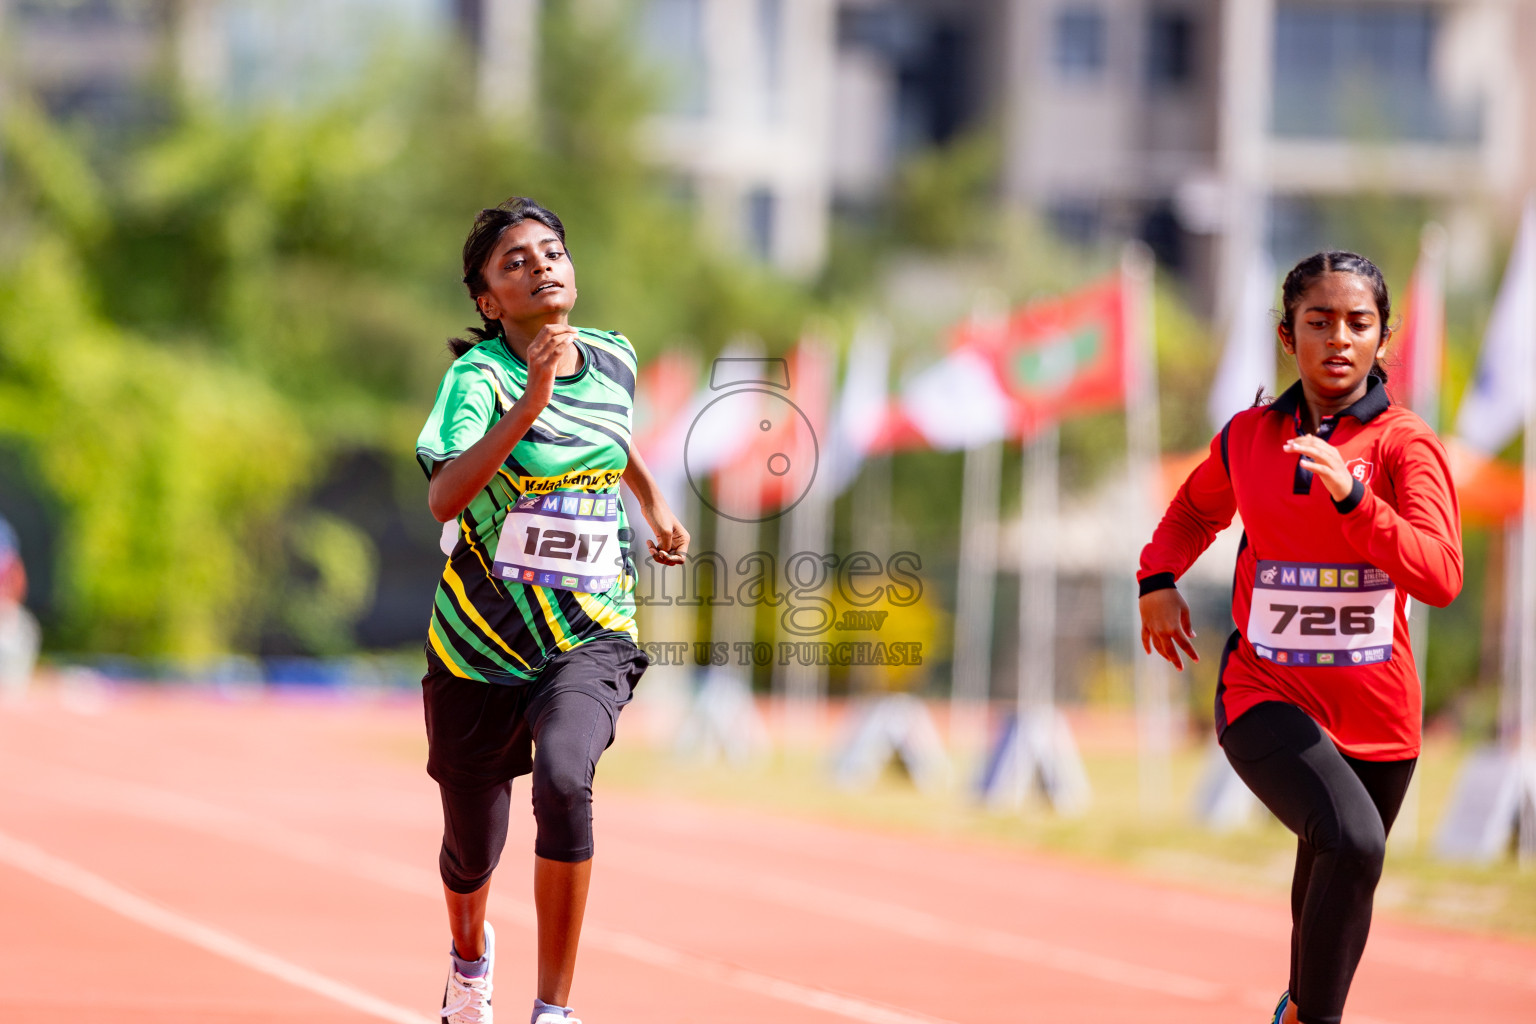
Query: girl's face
point(1335, 334)
point(529, 276)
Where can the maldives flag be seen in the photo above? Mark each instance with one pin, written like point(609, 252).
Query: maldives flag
point(1057, 357)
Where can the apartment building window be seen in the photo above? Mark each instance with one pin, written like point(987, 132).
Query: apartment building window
point(1075, 220)
point(1078, 42)
point(1364, 70)
point(770, 34)
point(673, 36)
point(1170, 49)
point(760, 210)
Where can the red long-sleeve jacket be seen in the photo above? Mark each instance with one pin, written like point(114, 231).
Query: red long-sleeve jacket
point(1309, 568)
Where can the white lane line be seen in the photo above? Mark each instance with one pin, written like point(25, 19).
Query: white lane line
point(1205, 911)
point(204, 816)
point(73, 878)
point(911, 923)
point(194, 814)
point(657, 955)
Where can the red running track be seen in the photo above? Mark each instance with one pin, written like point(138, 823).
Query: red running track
point(173, 858)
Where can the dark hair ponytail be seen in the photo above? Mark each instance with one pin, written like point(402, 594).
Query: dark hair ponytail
point(487, 231)
point(1305, 273)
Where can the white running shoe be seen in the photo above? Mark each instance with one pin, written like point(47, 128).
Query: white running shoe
point(555, 1018)
point(468, 1000)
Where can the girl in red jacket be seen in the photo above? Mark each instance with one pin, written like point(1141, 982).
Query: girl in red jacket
point(1348, 513)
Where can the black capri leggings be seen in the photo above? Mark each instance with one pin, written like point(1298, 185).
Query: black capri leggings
point(1341, 809)
point(482, 735)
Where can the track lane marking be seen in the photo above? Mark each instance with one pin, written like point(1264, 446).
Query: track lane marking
point(207, 817)
point(1402, 953)
point(77, 880)
point(911, 923)
point(197, 815)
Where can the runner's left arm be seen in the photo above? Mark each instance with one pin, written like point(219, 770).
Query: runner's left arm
point(671, 544)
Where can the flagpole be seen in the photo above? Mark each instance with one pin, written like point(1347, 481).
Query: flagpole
point(1154, 711)
point(871, 531)
point(976, 580)
point(1526, 640)
point(1427, 312)
point(972, 663)
point(1043, 750)
point(1497, 786)
point(1041, 481)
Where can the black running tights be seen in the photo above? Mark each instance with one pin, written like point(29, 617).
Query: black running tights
point(1341, 809)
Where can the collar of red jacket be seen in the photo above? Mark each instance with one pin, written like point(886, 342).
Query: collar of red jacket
point(1372, 404)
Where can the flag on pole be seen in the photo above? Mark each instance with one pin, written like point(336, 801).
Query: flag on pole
point(1057, 357)
point(1493, 410)
point(664, 411)
point(1004, 379)
point(781, 416)
point(1248, 361)
point(955, 403)
point(860, 417)
point(1417, 349)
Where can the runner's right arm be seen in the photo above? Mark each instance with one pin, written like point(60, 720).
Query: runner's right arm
point(1203, 507)
point(456, 481)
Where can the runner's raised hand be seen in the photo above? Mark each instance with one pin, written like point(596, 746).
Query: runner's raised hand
point(1325, 462)
point(553, 347)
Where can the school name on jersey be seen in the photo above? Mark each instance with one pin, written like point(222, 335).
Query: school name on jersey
point(1306, 576)
point(585, 479)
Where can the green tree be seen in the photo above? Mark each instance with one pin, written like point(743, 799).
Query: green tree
point(198, 330)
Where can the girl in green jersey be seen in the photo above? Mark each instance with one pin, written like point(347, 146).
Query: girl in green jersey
point(532, 643)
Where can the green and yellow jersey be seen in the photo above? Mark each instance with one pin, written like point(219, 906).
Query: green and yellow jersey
point(499, 630)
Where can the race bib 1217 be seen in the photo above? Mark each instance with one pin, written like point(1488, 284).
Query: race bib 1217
point(1321, 615)
point(568, 540)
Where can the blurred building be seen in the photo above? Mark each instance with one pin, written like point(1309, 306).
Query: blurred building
point(1205, 127)
point(776, 113)
point(1210, 127)
point(84, 59)
point(747, 124)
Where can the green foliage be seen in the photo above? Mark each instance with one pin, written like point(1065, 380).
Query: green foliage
point(197, 327)
point(945, 198)
point(169, 467)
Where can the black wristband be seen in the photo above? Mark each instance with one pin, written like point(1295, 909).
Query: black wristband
point(1157, 581)
point(1351, 500)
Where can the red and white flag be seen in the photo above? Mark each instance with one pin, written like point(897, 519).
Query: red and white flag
point(663, 413)
point(1047, 361)
point(1417, 350)
point(1493, 410)
point(777, 415)
point(1059, 357)
point(955, 403)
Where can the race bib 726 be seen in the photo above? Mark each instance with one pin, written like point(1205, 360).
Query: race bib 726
point(1321, 615)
